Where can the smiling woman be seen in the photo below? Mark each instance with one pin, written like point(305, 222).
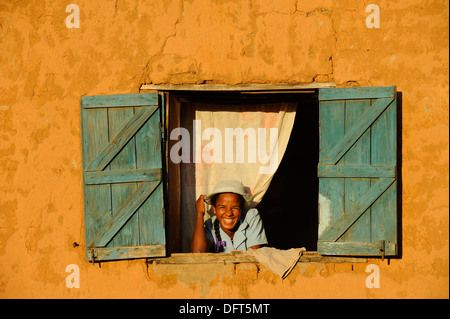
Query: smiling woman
point(233, 226)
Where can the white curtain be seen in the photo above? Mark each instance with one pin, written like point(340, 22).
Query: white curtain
point(241, 142)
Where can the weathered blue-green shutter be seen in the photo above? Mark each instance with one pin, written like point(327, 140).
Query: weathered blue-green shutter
point(357, 171)
point(122, 167)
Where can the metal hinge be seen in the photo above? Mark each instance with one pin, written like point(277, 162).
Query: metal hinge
point(382, 248)
point(163, 135)
point(92, 255)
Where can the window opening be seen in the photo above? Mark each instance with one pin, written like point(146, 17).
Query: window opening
point(289, 209)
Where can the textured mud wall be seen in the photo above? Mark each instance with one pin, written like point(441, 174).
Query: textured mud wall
point(45, 67)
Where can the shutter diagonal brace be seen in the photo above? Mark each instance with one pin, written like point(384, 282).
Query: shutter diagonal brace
point(125, 212)
point(333, 232)
point(121, 138)
point(357, 130)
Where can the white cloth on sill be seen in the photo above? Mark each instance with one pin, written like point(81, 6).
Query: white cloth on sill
point(280, 262)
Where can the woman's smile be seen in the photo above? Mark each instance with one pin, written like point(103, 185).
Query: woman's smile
point(229, 221)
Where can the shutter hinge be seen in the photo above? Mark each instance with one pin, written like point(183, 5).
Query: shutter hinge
point(163, 135)
point(92, 254)
point(382, 249)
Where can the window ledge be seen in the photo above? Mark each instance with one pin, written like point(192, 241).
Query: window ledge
point(223, 258)
point(237, 88)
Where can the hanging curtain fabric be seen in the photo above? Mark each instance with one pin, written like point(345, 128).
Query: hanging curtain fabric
point(244, 142)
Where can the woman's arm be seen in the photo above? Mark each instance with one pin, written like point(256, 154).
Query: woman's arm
point(199, 242)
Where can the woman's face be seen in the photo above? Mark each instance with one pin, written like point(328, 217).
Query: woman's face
point(228, 211)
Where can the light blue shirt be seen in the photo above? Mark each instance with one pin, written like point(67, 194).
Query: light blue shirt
point(249, 233)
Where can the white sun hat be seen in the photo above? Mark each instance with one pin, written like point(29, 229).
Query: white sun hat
point(230, 186)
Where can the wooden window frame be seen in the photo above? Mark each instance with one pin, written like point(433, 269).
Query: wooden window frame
point(212, 258)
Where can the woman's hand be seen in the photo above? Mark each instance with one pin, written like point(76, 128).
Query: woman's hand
point(200, 205)
point(199, 242)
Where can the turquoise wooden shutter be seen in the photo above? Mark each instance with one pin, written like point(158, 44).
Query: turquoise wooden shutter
point(357, 171)
point(122, 176)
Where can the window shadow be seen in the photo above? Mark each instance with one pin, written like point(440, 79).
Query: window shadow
point(399, 175)
point(289, 209)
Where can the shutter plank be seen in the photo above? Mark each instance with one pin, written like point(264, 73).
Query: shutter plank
point(357, 248)
point(354, 188)
point(331, 190)
point(347, 170)
point(356, 93)
point(122, 176)
point(149, 155)
point(120, 193)
point(118, 100)
point(97, 198)
point(106, 253)
point(384, 152)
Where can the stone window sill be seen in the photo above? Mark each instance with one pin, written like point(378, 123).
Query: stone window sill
point(211, 258)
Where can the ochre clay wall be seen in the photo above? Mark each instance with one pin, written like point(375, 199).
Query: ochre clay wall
point(45, 67)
